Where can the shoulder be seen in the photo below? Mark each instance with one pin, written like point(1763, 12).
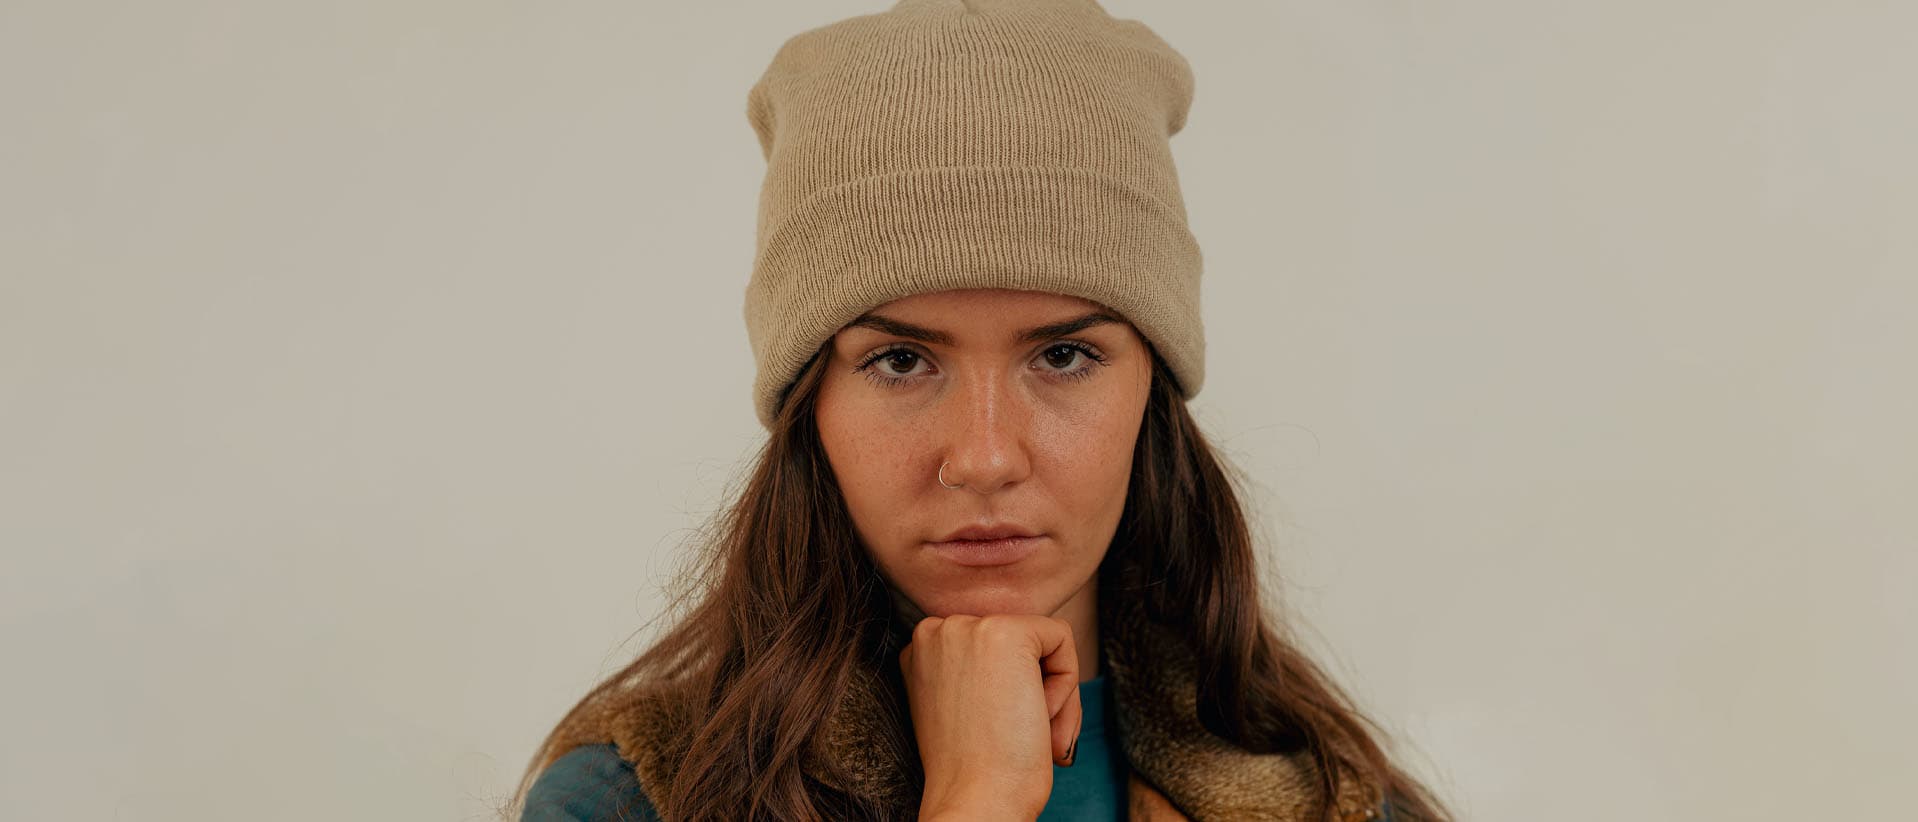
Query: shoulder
point(590, 783)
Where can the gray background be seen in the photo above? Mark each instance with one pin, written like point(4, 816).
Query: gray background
point(363, 367)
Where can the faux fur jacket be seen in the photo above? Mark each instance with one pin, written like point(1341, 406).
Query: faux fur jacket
point(1178, 770)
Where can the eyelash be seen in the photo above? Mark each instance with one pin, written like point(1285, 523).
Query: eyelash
point(1082, 373)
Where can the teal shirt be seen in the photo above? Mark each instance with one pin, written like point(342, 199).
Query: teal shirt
point(1093, 789)
point(592, 783)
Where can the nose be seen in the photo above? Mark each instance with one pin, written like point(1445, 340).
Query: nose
point(987, 421)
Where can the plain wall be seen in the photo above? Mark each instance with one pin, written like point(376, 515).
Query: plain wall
point(364, 366)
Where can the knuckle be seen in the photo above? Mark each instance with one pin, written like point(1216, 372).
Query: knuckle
point(998, 628)
point(925, 628)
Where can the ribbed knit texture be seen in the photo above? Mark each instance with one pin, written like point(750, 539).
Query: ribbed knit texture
point(947, 144)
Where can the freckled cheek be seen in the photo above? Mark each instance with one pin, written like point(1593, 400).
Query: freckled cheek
point(1090, 467)
point(878, 478)
point(1096, 478)
point(877, 471)
point(1091, 429)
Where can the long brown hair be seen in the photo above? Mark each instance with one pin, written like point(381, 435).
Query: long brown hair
point(785, 602)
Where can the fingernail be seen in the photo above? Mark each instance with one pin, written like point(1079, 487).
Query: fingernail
point(1072, 753)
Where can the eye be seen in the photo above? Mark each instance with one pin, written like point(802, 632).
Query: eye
point(880, 366)
point(884, 361)
point(1070, 352)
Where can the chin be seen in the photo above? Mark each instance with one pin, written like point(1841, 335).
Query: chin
point(995, 599)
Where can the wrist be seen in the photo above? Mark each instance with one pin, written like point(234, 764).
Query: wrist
point(956, 814)
point(971, 810)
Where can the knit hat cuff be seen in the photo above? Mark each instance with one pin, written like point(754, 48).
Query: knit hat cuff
point(1067, 230)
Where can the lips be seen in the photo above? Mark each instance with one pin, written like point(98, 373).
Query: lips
point(987, 552)
point(990, 531)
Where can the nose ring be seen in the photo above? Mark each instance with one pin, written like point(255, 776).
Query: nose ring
point(942, 476)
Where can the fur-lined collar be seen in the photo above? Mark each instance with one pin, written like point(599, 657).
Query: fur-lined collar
point(1178, 770)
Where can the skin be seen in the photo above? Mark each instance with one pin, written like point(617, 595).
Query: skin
point(1031, 445)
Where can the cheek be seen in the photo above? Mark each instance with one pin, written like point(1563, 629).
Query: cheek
point(1092, 459)
point(871, 461)
point(1097, 472)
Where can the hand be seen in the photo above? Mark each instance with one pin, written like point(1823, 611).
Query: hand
point(995, 704)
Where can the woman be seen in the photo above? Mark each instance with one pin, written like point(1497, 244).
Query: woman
point(986, 566)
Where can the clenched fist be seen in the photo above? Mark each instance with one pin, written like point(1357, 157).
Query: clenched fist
point(995, 704)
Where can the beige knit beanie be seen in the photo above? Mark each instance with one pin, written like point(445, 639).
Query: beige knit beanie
point(946, 144)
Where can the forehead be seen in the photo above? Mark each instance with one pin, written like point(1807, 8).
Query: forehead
point(953, 317)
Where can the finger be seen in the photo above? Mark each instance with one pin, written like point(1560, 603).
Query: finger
point(1059, 689)
point(1058, 662)
point(1065, 730)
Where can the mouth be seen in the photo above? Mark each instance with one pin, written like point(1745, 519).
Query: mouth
point(982, 553)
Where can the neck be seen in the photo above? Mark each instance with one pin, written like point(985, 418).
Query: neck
point(1082, 612)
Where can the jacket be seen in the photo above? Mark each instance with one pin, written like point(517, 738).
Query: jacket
point(1179, 770)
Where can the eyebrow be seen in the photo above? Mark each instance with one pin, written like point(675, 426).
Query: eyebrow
point(900, 328)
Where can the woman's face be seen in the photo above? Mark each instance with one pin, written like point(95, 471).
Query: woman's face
point(1037, 422)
